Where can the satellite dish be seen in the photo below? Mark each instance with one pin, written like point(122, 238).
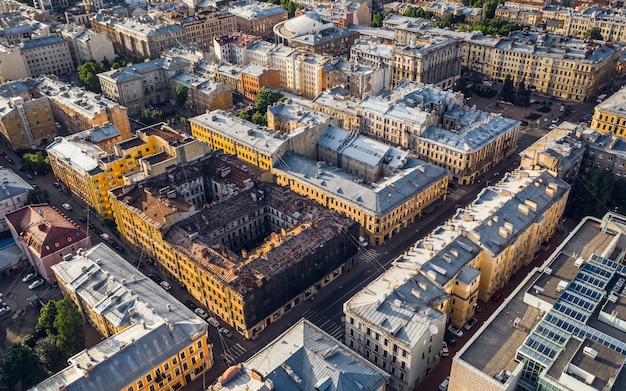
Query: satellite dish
point(433, 329)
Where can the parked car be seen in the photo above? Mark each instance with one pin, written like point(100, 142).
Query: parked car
point(478, 308)
point(4, 309)
point(29, 176)
point(470, 323)
point(444, 349)
point(29, 277)
point(497, 296)
point(457, 332)
point(34, 186)
point(213, 322)
point(190, 304)
point(154, 278)
point(165, 285)
point(67, 206)
point(449, 339)
point(444, 384)
point(201, 313)
point(225, 332)
point(35, 283)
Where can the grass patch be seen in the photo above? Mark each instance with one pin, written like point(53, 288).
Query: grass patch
point(533, 116)
point(545, 109)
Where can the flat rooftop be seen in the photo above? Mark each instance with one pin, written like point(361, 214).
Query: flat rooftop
point(495, 348)
point(603, 367)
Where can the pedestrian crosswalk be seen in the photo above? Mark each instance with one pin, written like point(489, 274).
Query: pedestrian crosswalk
point(324, 323)
point(369, 255)
point(232, 353)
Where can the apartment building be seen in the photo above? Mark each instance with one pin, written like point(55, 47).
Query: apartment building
point(261, 371)
point(517, 13)
point(252, 143)
point(469, 144)
point(288, 116)
point(47, 56)
point(232, 48)
point(610, 115)
point(602, 151)
point(371, 52)
point(254, 78)
point(430, 59)
point(310, 33)
point(610, 21)
point(252, 290)
point(400, 118)
point(152, 340)
point(560, 152)
point(79, 109)
point(256, 18)
point(88, 45)
point(12, 64)
point(355, 78)
point(139, 85)
point(396, 324)
point(46, 236)
point(566, 68)
point(25, 122)
point(89, 172)
point(557, 330)
point(14, 194)
point(205, 25)
point(372, 183)
point(138, 39)
point(339, 106)
point(202, 94)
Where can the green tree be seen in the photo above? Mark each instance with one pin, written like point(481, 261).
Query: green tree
point(418, 12)
point(290, 7)
point(493, 26)
point(50, 353)
point(69, 325)
point(244, 115)
point(181, 95)
point(259, 119)
point(37, 196)
point(592, 195)
point(594, 33)
point(449, 20)
point(522, 95)
point(377, 20)
point(36, 161)
point(47, 315)
point(122, 62)
point(266, 98)
point(508, 92)
point(87, 73)
point(20, 363)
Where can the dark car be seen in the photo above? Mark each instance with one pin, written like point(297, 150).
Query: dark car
point(497, 296)
point(155, 278)
point(449, 338)
point(190, 304)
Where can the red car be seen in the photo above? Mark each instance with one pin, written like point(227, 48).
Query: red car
point(497, 296)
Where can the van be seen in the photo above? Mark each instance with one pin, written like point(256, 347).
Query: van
point(213, 322)
point(601, 98)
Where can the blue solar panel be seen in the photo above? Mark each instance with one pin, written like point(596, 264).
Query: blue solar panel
point(577, 301)
point(585, 291)
point(571, 312)
point(590, 279)
point(594, 269)
point(549, 332)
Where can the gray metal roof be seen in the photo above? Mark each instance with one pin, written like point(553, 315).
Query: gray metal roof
point(44, 41)
point(155, 332)
point(379, 199)
point(307, 358)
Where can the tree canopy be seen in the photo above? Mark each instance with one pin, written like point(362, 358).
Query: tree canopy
point(20, 363)
point(594, 33)
point(36, 161)
point(181, 95)
point(266, 98)
point(493, 26)
point(418, 12)
point(69, 325)
point(377, 20)
point(87, 73)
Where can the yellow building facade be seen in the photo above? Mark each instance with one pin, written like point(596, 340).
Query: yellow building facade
point(609, 116)
point(132, 314)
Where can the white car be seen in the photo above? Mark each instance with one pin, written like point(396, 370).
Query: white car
point(444, 384)
point(455, 330)
point(4, 309)
point(67, 206)
point(165, 285)
point(35, 283)
point(444, 349)
point(201, 313)
point(213, 322)
point(29, 277)
point(226, 332)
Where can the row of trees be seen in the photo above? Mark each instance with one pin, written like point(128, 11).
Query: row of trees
point(59, 334)
point(519, 96)
point(493, 27)
point(597, 194)
point(264, 99)
point(287, 5)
